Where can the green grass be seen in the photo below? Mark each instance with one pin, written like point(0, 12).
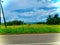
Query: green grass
point(30, 29)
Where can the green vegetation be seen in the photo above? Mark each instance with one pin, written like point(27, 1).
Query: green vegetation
point(52, 25)
point(14, 22)
point(30, 29)
point(53, 20)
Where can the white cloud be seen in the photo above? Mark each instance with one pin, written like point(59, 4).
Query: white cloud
point(58, 10)
point(25, 4)
point(39, 12)
point(18, 4)
point(57, 4)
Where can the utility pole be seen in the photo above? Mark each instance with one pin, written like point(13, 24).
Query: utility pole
point(0, 12)
point(3, 13)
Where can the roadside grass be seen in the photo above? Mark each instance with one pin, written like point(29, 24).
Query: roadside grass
point(30, 29)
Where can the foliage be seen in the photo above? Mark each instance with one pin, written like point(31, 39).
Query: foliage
point(53, 20)
point(15, 22)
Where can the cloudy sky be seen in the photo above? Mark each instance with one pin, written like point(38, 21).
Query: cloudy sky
point(30, 10)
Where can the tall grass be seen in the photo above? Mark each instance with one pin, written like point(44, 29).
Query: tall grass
point(29, 29)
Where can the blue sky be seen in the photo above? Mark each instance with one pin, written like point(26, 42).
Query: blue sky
point(30, 10)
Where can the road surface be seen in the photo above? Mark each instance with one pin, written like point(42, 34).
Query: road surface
point(31, 39)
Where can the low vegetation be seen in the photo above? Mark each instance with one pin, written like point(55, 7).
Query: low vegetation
point(30, 29)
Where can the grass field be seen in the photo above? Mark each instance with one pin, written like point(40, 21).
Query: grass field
point(29, 29)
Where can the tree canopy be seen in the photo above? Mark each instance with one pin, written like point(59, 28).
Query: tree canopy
point(53, 20)
point(15, 22)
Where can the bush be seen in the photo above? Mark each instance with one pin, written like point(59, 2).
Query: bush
point(15, 22)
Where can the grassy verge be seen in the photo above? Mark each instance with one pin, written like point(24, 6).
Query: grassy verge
point(29, 29)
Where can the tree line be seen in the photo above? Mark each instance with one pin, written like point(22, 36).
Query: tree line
point(51, 20)
point(15, 22)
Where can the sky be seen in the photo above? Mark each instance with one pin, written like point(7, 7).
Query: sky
point(30, 10)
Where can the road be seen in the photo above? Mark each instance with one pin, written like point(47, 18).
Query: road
point(31, 39)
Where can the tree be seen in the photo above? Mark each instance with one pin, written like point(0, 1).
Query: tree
point(56, 19)
point(15, 22)
point(49, 19)
point(53, 20)
point(56, 16)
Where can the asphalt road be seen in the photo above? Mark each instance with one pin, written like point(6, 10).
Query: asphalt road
point(31, 39)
